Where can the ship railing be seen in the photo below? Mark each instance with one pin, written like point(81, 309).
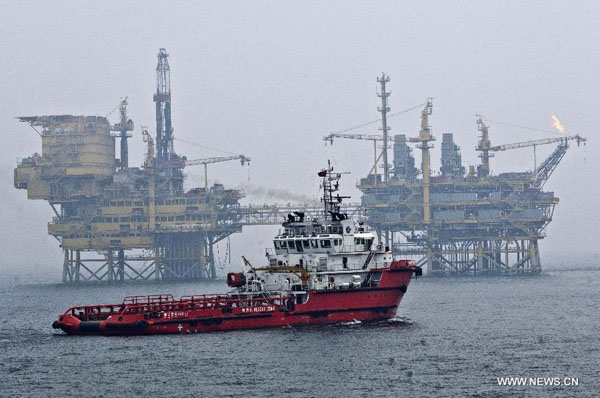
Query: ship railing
point(94, 312)
point(150, 299)
point(204, 303)
point(354, 249)
point(203, 297)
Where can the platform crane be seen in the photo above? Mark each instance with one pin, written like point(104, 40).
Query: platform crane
point(206, 161)
point(424, 135)
point(534, 143)
point(423, 140)
point(542, 173)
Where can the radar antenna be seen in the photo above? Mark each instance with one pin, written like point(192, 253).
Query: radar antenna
point(330, 186)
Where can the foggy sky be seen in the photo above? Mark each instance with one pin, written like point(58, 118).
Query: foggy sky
point(270, 79)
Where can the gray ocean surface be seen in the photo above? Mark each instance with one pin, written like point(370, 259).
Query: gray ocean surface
point(452, 337)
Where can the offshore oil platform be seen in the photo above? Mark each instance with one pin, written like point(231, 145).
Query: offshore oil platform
point(105, 208)
point(116, 222)
point(457, 222)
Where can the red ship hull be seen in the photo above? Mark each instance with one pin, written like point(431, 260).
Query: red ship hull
point(196, 314)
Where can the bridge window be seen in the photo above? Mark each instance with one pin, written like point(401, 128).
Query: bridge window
point(305, 244)
point(314, 244)
point(283, 244)
point(325, 243)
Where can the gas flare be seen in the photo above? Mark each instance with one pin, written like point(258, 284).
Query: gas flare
point(557, 124)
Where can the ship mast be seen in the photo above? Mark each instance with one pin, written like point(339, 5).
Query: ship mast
point(331, 185)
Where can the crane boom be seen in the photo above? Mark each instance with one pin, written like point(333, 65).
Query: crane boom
point(543, 173)
point(206, 161)
point(368, 137)
point(193, 162)
point(372, 137)
point(544, 141)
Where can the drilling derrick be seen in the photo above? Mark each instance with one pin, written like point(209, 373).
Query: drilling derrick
point(164, 128)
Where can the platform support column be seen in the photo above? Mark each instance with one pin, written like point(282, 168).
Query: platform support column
point(157, 263)
point(429, 256)
point(121, 264)
point(534, 256)
point(479, 265)
point(77, 265)
point(211, 259)
point(110, 265)
point(65, 276)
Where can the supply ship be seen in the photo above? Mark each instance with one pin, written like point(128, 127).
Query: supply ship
point(323, 270)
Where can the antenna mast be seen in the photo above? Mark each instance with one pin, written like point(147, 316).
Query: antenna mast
point(330, 185)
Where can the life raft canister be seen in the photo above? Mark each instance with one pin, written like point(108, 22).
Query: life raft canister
point(236, 279)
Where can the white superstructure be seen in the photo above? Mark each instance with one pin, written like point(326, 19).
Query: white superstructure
point(327, 252)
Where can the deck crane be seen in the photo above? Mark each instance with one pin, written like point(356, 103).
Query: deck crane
point(368, 137)
point(206, 161)
point(424, 136)
point(542, 173)
point(535, 143)
point(485, 147)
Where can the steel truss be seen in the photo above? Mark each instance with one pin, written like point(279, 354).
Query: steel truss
point(87, 266)
point(477, 257)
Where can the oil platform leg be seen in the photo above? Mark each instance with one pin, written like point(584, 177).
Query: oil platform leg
point(110, 264)
point(534, 255)
point(202, 255)
point(429, 260)
point(121, 265)
point(211, 260)
point(66, 273)
point(157, 264)
point(77, 265)
point(479, 269)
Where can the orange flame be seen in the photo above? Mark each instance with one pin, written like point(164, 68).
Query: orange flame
point(557, 124)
